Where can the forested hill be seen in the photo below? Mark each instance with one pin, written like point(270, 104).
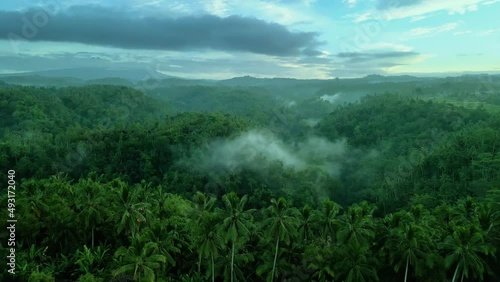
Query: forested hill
point(189, 182)
point(405, 146)
point(51, 110)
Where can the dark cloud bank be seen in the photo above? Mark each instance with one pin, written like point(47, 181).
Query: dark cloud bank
point(389, 57)
point(116, 28)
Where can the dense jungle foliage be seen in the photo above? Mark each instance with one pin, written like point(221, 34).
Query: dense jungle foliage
point(244, 180)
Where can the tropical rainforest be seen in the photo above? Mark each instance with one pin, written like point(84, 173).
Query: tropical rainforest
point(246, 179)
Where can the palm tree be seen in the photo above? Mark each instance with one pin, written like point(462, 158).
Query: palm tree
point(202, 204)
point(209, 239)
point(306, 223)
point(164, 238)
point(223, 264)
point(281, 225)
point(35, 198)
point(133, 211)
point(268, 265)
point(467, 244)
point(494, 197)
point(466, 211)
point(141, 259)
point(319, 259)
point(409, 244)
point(326, 218)
point(90, 205)
point(357, 225)
point(89, 260)
point(357, 264)
point(494, 202)
point(237, 221)
point(202, 208)
point(489, 222)
point(445, 214)
point(65, 227)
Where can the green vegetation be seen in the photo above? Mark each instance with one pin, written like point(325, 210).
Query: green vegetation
point(254, 180)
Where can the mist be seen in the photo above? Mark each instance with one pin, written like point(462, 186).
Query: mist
point(258, 150)
point(331, 98)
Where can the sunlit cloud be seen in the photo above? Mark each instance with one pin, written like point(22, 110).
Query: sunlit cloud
point(432, 30)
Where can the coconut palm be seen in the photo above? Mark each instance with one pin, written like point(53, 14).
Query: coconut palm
point(269, 264)
point(306, 218)
point(202, 204)
point(209, 240)
point(165, 239)
point(90, 205)
point(326, 219)
point(319, 259)
point(236, 223)
point(409, 245)
point(132, 211)
point(357, 225)
point(281, 225)
point(230, 266)
point(141, 259)
point(467, 245)
point(357, 264)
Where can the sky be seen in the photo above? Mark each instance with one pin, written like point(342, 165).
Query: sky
point(219, 39)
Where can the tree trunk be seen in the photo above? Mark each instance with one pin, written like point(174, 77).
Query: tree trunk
point(213, 268)
point(92, 236)
point(275, 257)
point(199, 262)
point(232, 259)
point(456, 272)
point(406, 271)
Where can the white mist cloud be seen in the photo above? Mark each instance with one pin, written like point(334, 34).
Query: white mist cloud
point(330, 98)
point(311, 122)
point(257, 150)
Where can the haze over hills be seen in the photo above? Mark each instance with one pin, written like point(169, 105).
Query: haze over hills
point(134, 74)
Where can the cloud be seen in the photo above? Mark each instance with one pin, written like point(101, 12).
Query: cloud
point(384, 46)
point(418, 18)
point(373, 56)
point(358, 64)
point(384, 4)
point(427, 30)
point(488, 32)
point(491, 2)
point(462, 32)
point(400, 9)
point(258, 150)
point(115, 28)
point(351, 3)
point(332, 99)
point(207, 64)
point(257, 67)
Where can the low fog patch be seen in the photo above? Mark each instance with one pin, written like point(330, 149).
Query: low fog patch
point(311, 122)
point(332, 99)
point(290, 104)
point(258, 150)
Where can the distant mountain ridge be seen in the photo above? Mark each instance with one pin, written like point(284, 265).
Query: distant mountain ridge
point(136, 74)
point(135, 77)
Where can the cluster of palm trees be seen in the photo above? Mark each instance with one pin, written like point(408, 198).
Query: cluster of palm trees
point(96, 231)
